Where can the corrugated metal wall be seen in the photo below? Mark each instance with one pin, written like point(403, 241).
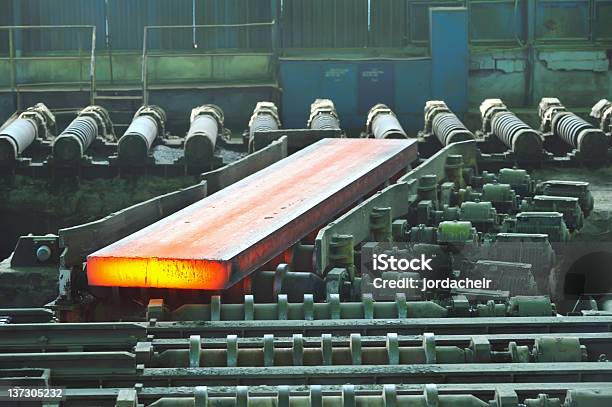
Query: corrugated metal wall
point(305, 23)
point(58, 12)
point(127, 20)
point(6, 13)
point(325, 23)
point(388, 26)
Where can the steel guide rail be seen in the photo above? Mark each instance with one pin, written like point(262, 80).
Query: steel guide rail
point(298, 350)
point(348, 395)
point(113, 371)
point(122, 334)
point(203, 395)
point(567, 349)
point(497, 340)
point(334, 308)
point(406, 326)
point(26, 315)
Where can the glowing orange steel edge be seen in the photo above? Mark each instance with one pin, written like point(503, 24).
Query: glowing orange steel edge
point(156, 273)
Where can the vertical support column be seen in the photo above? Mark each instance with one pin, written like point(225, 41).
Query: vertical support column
point(18, 40)
point(450, 56)
point(530, 17)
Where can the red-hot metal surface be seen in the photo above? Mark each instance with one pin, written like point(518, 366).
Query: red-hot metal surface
point(219, 240)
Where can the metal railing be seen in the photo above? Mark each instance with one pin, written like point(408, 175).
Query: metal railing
point(15, 57)
point(148, 53)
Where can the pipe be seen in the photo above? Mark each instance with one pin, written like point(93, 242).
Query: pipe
point(444, 124)
point(323, 116)
point(35, 122)
point(70, 146)
point(524, 141)
point(206, 125)
point(383, 124)
point(148, 124)
point(265, 118)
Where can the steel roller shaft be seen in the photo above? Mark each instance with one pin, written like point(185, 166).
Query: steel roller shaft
point(147, 126)
point(516, 135)
point(35, 122)
point(263, 122)
point(383, 124)
point(74, 141)
point(579, 134)
point(449, 129)
point(206, 124)
point(70, 146)
point(323, 115)
point(265, 118)
point(15, 138)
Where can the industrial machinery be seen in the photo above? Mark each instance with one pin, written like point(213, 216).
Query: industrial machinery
point(265, 126)
point(602, 111)
point(444, 124)
point(382, 123)
point(71, 145)
point(201, 140)
point(323, 116)
point(521, 139)
point(36, 123)
point(260, 277)
point(264, 118)
point(134, 146)
point(587, 141)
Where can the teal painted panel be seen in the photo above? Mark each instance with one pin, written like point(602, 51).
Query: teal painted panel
point(324, 23)
point(450, 57)
point(562, 19)
point(499, 21)
point(413, 90)
point(376, 85)
point(419, 17)
point(603, 20)
point(326, 79)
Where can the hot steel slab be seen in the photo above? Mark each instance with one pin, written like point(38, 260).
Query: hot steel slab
point(219, 240)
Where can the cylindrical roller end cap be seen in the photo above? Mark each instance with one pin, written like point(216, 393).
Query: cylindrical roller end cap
point(8, 150)
point(133, 149)
point(67, 149)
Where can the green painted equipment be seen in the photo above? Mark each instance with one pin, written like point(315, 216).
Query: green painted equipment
point(518, 179)
point(568, 206)
point(576, 189)
point(481, 214)
point(456, 232)
point(548, 223)
point(501, 196)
